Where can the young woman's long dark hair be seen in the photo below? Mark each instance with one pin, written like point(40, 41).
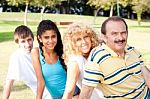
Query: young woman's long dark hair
point(49, 25)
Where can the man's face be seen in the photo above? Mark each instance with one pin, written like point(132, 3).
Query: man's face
point(26, 44)
point(116, 36)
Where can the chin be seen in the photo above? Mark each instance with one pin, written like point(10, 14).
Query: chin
point(85, 52)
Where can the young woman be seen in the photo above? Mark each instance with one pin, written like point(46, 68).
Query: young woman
point(78, 41)
point(47, 60)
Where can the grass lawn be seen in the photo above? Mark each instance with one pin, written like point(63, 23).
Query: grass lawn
point(139, 36)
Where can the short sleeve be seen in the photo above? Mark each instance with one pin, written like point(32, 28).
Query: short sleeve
point(78, 59)
point(92, 73)
point(142, 62)
point(13, 69)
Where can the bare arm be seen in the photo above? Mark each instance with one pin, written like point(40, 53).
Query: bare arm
point(7, 89)
point(86, 92)
point(38, 71)
point(146, 75)
point(72, 77)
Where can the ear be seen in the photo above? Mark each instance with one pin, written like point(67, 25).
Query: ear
point(103, 37)
point(39, 38)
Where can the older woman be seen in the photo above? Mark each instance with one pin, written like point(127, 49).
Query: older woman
point(78, 41)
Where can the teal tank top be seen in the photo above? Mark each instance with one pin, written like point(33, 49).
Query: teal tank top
point(54, 76)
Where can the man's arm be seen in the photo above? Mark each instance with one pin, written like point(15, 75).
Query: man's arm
point(146, 75)
point(7, 89)
point(86, 92)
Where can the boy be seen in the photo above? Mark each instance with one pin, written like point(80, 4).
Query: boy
point(20, 64)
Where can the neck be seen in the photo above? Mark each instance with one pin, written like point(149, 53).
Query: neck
point(121, 54)
point(49, 52)
point(86, 55)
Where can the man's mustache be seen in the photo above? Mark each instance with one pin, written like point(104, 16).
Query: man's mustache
point(118, 41)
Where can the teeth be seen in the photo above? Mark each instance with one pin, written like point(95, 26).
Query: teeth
point(84, 47)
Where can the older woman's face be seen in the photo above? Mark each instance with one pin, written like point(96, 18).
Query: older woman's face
point(83, 43)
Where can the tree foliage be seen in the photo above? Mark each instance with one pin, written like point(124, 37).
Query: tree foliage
point(46, 3)
point(17, 2)
point(140, 6)
point(40, 3)
point(104, 4)
point(23, 2)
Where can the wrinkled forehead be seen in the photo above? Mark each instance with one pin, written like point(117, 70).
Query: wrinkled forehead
point(116, 26)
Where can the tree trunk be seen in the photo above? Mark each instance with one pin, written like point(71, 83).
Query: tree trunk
point(25, 15)
point(42, 12)
point(111, 10)
point(95, 14)
point(139, 18)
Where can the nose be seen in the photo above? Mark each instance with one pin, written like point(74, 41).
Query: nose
point(27, 43)
point(120, 36)
point(83, 40)
point(50, 40)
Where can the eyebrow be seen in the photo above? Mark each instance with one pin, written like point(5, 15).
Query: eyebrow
point(119, 32)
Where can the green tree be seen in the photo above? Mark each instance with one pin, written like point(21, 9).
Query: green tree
point(105, 4)
point(102, 4)
point(25, 2)
point(2, 1)
point(140, 6)
point(46, 3)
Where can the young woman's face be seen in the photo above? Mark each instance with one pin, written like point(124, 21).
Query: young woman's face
point(83, 43)
point(49, 39)
point(26, 44)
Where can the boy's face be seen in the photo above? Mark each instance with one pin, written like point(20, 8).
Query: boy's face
point(26, 44)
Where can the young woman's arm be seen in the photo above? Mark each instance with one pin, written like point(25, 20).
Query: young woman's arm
point(72, 77)
point(38, 71)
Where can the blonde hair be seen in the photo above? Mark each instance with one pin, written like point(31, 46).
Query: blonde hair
point(73, 30)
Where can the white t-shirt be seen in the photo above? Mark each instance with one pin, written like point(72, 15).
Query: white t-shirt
point(21, 69)
point(97, 93)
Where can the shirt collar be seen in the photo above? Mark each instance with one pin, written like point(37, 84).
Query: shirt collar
point(127, 50)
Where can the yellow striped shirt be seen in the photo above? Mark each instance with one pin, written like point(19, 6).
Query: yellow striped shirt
point(117, 77)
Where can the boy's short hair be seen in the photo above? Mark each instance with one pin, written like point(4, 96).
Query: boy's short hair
point(22, 32)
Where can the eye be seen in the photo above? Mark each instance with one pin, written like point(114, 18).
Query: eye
point(23, 41)
point(53, 36)
point(85, 37)
point(114, 33)
point(46, 37)
point(125, 32)
point(29, 40)
point(78, 39)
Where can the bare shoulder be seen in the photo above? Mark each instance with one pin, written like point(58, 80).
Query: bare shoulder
point(72, 64)
point(35, 51)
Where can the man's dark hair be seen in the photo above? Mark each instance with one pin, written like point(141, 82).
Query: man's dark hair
point(113, 18)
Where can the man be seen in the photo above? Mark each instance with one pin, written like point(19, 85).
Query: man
point(20, 64)
point(116, 68)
